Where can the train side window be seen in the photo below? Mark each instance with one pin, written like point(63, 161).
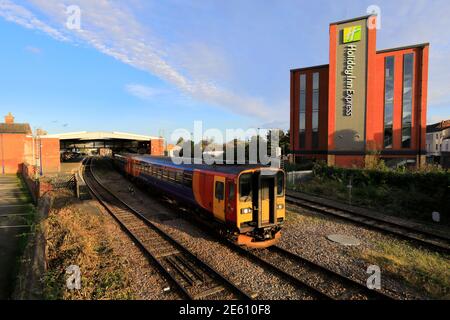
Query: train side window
point(179, 177)
point(280, 183)
point(245, 186)
point(219, 190)
point(231, 191)
point(187, 179)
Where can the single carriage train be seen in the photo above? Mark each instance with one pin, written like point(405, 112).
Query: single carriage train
point(247, 202)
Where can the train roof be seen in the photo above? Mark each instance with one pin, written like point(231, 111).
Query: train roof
point(223, 168)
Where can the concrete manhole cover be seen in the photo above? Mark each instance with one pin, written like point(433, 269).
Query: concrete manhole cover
point(344, 240)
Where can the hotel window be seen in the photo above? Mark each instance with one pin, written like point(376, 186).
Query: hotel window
point(388, 100)
point(302, 115)
point(315, 111)
point(408, 64)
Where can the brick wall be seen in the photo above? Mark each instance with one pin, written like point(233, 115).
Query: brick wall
point(11, 152)
point(50, 155)
point(17, 149)
point(157, 147)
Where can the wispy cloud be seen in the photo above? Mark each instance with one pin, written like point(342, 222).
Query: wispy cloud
point(112, 29)
point(34, 50)
point(141, 91)
point(22, 16)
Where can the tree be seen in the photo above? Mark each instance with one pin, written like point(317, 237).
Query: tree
point(284, 141)
point(180, 141)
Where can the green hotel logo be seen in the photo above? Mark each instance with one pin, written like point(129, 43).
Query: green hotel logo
point(352, 34)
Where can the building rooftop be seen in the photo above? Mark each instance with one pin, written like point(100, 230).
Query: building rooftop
point(10, 127)
point(23, 128)
point(437, 127)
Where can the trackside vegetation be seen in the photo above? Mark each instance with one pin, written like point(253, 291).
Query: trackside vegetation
point(400, 192)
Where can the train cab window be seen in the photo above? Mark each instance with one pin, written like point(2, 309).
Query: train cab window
point(219, 190)
point(245, 186)
point(280, 183)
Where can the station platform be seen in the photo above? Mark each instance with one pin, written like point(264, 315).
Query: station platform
point(71, 166)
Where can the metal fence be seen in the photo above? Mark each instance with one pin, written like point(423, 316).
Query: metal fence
point(63, 181)
point(297, 177)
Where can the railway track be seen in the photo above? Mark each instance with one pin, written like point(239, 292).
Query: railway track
point(319, 282)
point(344, 288)
point(313, 279)
point(194, 278)
point(422, 237)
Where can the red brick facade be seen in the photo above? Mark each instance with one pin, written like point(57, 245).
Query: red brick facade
point(369, 114)
point(156, 147)
point(17, 147)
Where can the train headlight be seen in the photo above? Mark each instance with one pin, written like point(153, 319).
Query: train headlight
point(280, 206)
point(246, 210)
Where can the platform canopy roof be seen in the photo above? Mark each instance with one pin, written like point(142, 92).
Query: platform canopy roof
point(102, 135)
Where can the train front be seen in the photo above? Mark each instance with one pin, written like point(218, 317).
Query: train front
point(261, 207)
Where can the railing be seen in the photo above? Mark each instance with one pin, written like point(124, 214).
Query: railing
point(297, 177)
point(37, 186)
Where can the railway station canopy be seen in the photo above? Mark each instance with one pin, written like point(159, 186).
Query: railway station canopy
point(116, 141)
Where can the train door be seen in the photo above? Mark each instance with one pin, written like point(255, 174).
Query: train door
point(129, 166)
point(230, 199)
point(267, 199)
point(219, 198)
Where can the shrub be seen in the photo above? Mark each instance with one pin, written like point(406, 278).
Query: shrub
point(420, 190)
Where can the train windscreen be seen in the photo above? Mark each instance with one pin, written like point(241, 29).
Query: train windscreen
point(245, 187)
point(280, 183)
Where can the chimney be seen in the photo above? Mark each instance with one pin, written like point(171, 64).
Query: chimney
point(9, 118)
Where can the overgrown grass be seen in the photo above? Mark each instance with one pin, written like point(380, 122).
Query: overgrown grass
point(429, 272)
point(78, 237)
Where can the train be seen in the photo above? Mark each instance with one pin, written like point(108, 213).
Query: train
point(246, 203)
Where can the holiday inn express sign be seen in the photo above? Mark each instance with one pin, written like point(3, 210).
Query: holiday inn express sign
point(352, 34)
point(351, 74)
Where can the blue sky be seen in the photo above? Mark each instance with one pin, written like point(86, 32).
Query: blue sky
point(151, 67)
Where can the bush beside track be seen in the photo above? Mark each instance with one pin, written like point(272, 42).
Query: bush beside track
point(401, 192)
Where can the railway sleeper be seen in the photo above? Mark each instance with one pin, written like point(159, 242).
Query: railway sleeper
point(209, 292)
point(184, 272)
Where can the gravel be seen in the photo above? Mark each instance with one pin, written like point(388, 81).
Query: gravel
point(147, 282)
point(306, 232)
